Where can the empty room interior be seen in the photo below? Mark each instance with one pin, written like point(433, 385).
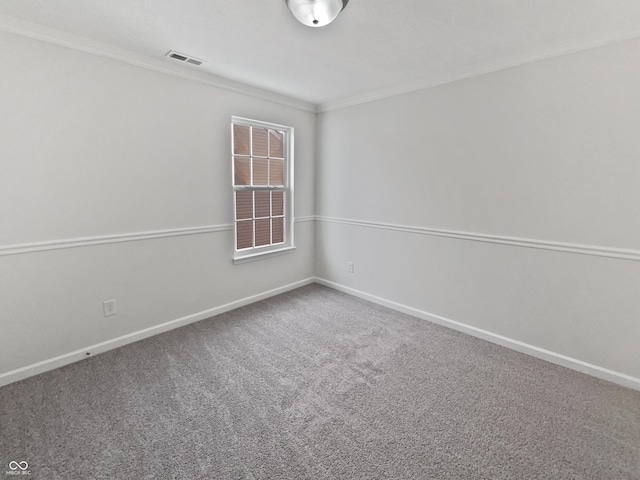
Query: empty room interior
point(320, 239)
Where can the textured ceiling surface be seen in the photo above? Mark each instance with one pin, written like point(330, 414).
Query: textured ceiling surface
point(373, 45)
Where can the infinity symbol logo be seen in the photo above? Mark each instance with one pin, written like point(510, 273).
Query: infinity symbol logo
point(13, 465)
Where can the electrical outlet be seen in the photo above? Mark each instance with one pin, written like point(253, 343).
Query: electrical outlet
point(110, 307)
point(350, 267)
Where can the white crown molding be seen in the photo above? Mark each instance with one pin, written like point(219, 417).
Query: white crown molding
point(619, 253)
point(90, 351)
point(75, 42)
point(474, 71)
point(537, 352)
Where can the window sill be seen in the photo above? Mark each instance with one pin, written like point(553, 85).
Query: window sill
point(262, 255)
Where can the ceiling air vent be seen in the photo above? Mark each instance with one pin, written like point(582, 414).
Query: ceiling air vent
point(181, 57)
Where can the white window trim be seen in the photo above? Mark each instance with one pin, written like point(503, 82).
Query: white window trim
point(259, 253)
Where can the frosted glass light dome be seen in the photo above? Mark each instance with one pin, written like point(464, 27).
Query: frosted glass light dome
point(316, 13)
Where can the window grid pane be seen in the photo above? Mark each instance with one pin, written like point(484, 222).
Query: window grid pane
point(244, 234)
point(259, 162)
point(263, 232)
point(260, 171)
point(242, 170)
point(277, 227)
point(276, 144)
point(263, 204)
point(244, 205)
point(241, 140)
point(259, 142)
point(277, 203)
point(259, 218)
point(276, 172)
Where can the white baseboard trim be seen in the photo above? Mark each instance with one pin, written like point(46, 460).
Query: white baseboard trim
point(67, 358)
point(541, 353)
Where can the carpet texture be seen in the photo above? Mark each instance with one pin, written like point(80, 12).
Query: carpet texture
point(316, 384)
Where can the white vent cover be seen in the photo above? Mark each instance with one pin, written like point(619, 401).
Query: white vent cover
point(181, 57)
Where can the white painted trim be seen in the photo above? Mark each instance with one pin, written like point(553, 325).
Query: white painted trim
point(161, 64)
point(106, 239)
point(33, 247)
point(259, 252)
point(67, 358)
point(75, 42)
point(537, 352)
point(474, 71)
point(619, 253)
point(264, 255)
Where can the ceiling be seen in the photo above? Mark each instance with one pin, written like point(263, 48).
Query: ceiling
point(374, 46)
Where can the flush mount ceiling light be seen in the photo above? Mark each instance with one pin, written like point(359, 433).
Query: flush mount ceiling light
point(316, 13)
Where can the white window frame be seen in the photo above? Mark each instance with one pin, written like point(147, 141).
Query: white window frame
point(257, 253)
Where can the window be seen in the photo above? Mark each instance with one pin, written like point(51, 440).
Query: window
point(262, 159)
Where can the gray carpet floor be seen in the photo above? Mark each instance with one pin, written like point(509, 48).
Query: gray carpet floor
point(317, 384)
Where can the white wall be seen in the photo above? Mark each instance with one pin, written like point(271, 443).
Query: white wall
point(548, 152)
point(92, 147)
